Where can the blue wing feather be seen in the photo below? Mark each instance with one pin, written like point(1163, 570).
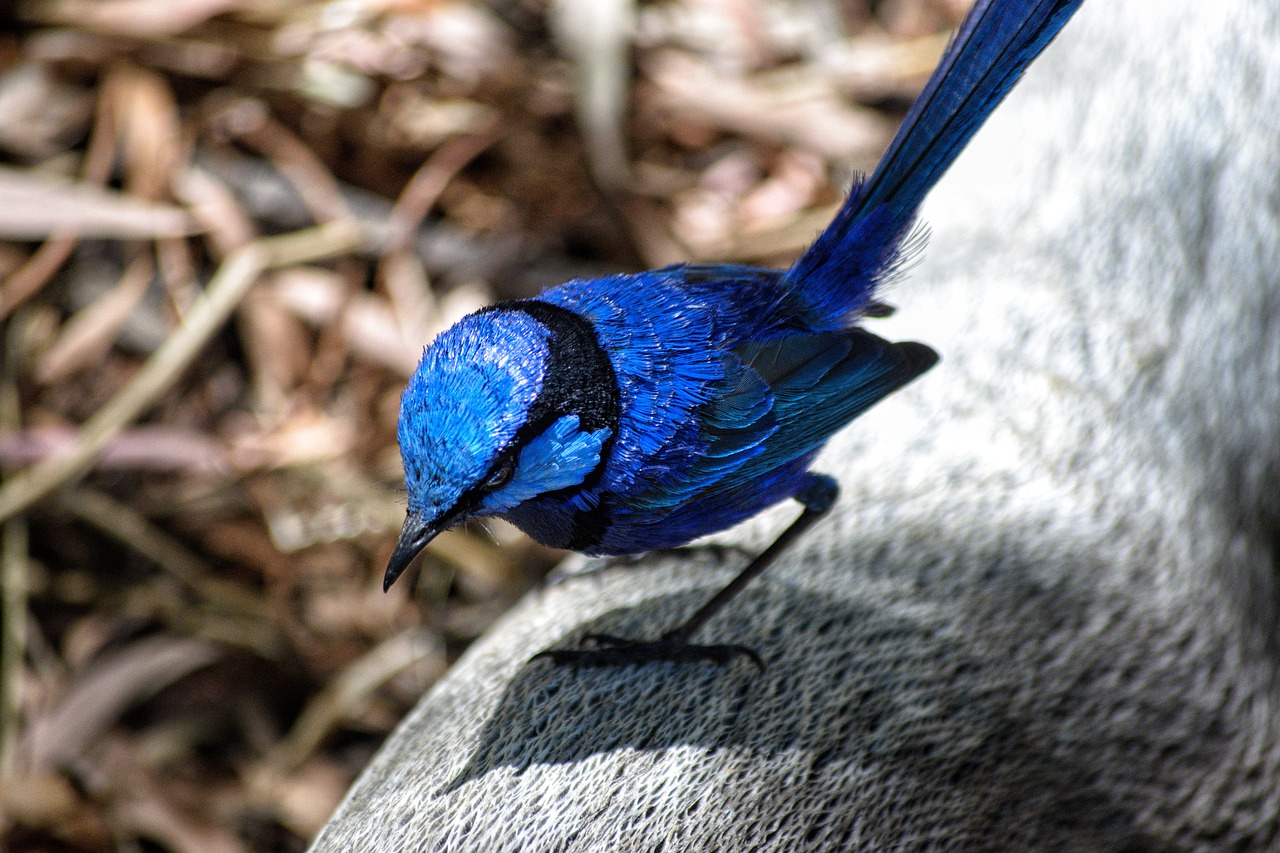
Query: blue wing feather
point(733, 427)
point(781, 400)
point(821, 382)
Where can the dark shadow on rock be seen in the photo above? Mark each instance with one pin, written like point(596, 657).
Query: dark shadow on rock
point(857, 690)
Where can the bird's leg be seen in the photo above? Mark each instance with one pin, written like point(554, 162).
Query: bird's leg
point(816, 494)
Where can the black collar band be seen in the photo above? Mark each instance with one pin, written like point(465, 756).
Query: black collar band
point(579, 378)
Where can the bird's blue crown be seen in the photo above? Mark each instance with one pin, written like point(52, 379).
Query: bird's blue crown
point(465, 403)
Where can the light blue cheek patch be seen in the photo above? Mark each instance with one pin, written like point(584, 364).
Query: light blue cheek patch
point(561, 457)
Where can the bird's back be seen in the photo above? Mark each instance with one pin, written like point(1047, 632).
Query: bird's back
point(726, 393)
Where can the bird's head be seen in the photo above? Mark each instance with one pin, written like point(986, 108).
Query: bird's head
point(489, 420)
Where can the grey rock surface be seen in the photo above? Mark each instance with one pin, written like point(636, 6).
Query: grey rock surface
point(1043, 614)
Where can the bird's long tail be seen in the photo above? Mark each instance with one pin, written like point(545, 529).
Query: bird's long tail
point(995, 43)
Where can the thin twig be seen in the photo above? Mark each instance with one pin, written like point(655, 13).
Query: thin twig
point(222, 610)
point(27, 280)
point(251, 123)
point(426, 185)
point(14, 574)
point(128, 526)
point(351, 688)
point(224, 292)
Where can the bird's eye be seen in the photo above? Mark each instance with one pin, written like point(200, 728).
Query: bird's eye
point(500, 475)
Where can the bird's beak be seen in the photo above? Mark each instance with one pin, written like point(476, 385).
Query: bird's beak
point(414, 536)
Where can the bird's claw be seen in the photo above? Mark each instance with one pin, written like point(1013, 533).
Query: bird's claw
point(620, 651)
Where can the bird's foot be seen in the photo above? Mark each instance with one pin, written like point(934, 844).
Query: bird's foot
point(671, 648)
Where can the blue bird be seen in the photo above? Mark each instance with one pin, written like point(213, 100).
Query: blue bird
point(638, 412)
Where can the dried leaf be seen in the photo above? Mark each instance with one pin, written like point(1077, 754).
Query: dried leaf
point(796, 179)
point(146, 812)
point(34, 207)
point(38, 114)
point(306, 436)
point(143, 18)
point(38, 800)
point(277, 348)
point(215, 207)
point(146, 116)
point(146, 448)
point(97, 698)
point(808, 113)
point(307, 797)
point(91, 331)
point(370, 326)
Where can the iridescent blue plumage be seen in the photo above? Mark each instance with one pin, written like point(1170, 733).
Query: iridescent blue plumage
point(635, 412)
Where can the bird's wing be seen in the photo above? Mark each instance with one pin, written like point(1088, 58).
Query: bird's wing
point(780, 400)
point(821, 382)
point(730, 429)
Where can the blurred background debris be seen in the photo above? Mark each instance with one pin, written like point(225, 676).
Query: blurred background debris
point(226, 231)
